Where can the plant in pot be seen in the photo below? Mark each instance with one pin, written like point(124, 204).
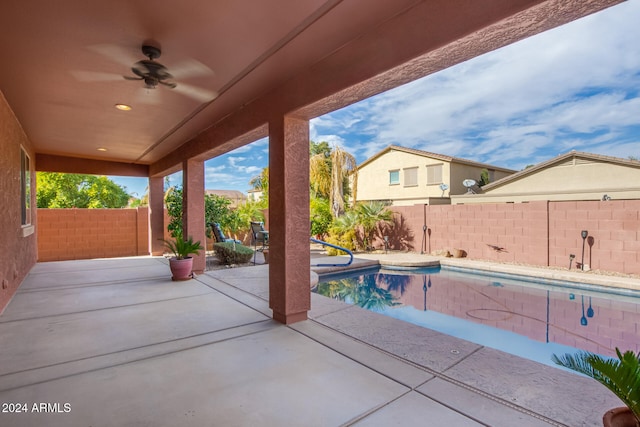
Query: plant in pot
point(181, 264)
point(621, 376)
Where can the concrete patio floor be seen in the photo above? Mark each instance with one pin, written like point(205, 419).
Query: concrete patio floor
point(117, 343)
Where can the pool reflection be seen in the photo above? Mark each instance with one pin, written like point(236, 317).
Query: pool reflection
point(597, 322)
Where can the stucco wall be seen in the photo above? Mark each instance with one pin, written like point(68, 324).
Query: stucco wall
point(575, 179)
point(373, 178)
point(17, 246)
point(537, 233)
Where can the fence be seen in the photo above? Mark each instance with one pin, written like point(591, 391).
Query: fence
point(538, 233)
point(65, 234)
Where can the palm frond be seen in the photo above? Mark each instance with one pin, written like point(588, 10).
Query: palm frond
point(621, 376)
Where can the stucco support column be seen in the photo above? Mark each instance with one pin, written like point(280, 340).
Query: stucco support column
point(193, 207)
point(156, 215)
point(289, 254)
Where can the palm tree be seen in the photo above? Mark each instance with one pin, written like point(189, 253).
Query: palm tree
point(261, 182)
point(328, 175)
point(343, 166)
point(621, 376)
point(369, 215)
point(320, 175)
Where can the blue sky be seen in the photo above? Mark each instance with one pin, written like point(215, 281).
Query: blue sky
point(576, 87)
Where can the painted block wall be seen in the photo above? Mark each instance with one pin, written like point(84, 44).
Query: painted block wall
point(66, 234)
point(537, 233)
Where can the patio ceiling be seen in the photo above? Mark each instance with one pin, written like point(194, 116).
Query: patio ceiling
point(63, 61)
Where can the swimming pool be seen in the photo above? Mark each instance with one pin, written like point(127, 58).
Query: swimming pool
point(528, 317)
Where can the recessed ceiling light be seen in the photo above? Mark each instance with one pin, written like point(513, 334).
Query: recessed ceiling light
point(123, 107)
point(101, 149)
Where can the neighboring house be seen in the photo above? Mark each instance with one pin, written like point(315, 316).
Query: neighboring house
point(571, 176)
point(405, 176)
point(255, 195)
point(236, 197)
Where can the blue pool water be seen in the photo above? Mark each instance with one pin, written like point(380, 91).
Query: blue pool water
point(528, 317)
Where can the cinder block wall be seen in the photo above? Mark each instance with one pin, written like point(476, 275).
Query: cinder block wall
point(65, 234)
point(537, 233)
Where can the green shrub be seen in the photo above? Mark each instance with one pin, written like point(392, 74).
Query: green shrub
point(228, 253)
point(346, 240)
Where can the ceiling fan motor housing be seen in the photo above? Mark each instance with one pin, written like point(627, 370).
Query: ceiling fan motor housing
point(151, 52)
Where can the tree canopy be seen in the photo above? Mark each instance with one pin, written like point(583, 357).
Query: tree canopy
point(60, 190)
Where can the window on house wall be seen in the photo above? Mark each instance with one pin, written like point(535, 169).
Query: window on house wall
point(25, 186)
point(434, 174)
point(394, 177)
point(410, 177)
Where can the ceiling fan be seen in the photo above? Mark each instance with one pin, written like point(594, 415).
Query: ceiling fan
point(150, 71)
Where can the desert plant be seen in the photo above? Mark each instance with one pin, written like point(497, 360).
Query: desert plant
point(182, 248)
point(232, 253)
point(369, 215)
point(621, 376)
point(343, 233)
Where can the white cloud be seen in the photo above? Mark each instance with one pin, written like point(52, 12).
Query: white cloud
point(572, 87)
point(233, 161)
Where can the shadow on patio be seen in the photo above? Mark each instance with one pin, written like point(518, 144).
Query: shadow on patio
point(121, 344)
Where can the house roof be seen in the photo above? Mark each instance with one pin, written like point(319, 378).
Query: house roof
point(559, 160)
point(442, 157)
point(229, 194)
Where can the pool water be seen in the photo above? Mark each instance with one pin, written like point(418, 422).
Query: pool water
point(528, 317)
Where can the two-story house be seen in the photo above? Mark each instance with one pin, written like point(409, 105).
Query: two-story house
point(406, 176)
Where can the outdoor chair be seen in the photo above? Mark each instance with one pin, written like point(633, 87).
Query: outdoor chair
point(259, 235)
point(218, 234)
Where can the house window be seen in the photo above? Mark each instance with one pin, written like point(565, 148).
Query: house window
point(410, 177)
point(25, 186)
point(434, 174)
point(394, 177)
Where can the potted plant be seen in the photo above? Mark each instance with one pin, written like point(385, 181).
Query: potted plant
point(621, 376)
point(181, 264)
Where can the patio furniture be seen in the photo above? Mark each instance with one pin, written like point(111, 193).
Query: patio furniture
point(218, 234)
point(259, 235)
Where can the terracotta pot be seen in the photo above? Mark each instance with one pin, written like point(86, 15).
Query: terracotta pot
point(181, 268)
point(459, 253)
point(619, 417)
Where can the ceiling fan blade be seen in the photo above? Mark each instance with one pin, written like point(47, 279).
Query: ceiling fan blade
point(118, 54)
point(95, 76)
point(132, 78)
point(197, 93)
point(190, 68)
point(169, 84)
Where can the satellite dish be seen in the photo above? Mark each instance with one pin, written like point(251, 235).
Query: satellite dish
point(469, 183)
point(444, 187)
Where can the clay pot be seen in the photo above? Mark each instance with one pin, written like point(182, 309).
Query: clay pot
point(181, 268)
point(619, 417)
point(459, 253)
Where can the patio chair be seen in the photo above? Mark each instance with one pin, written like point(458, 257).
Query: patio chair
point(218, 234)
point(259, 235)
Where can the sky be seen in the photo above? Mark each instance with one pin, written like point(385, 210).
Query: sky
point(576, 87)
